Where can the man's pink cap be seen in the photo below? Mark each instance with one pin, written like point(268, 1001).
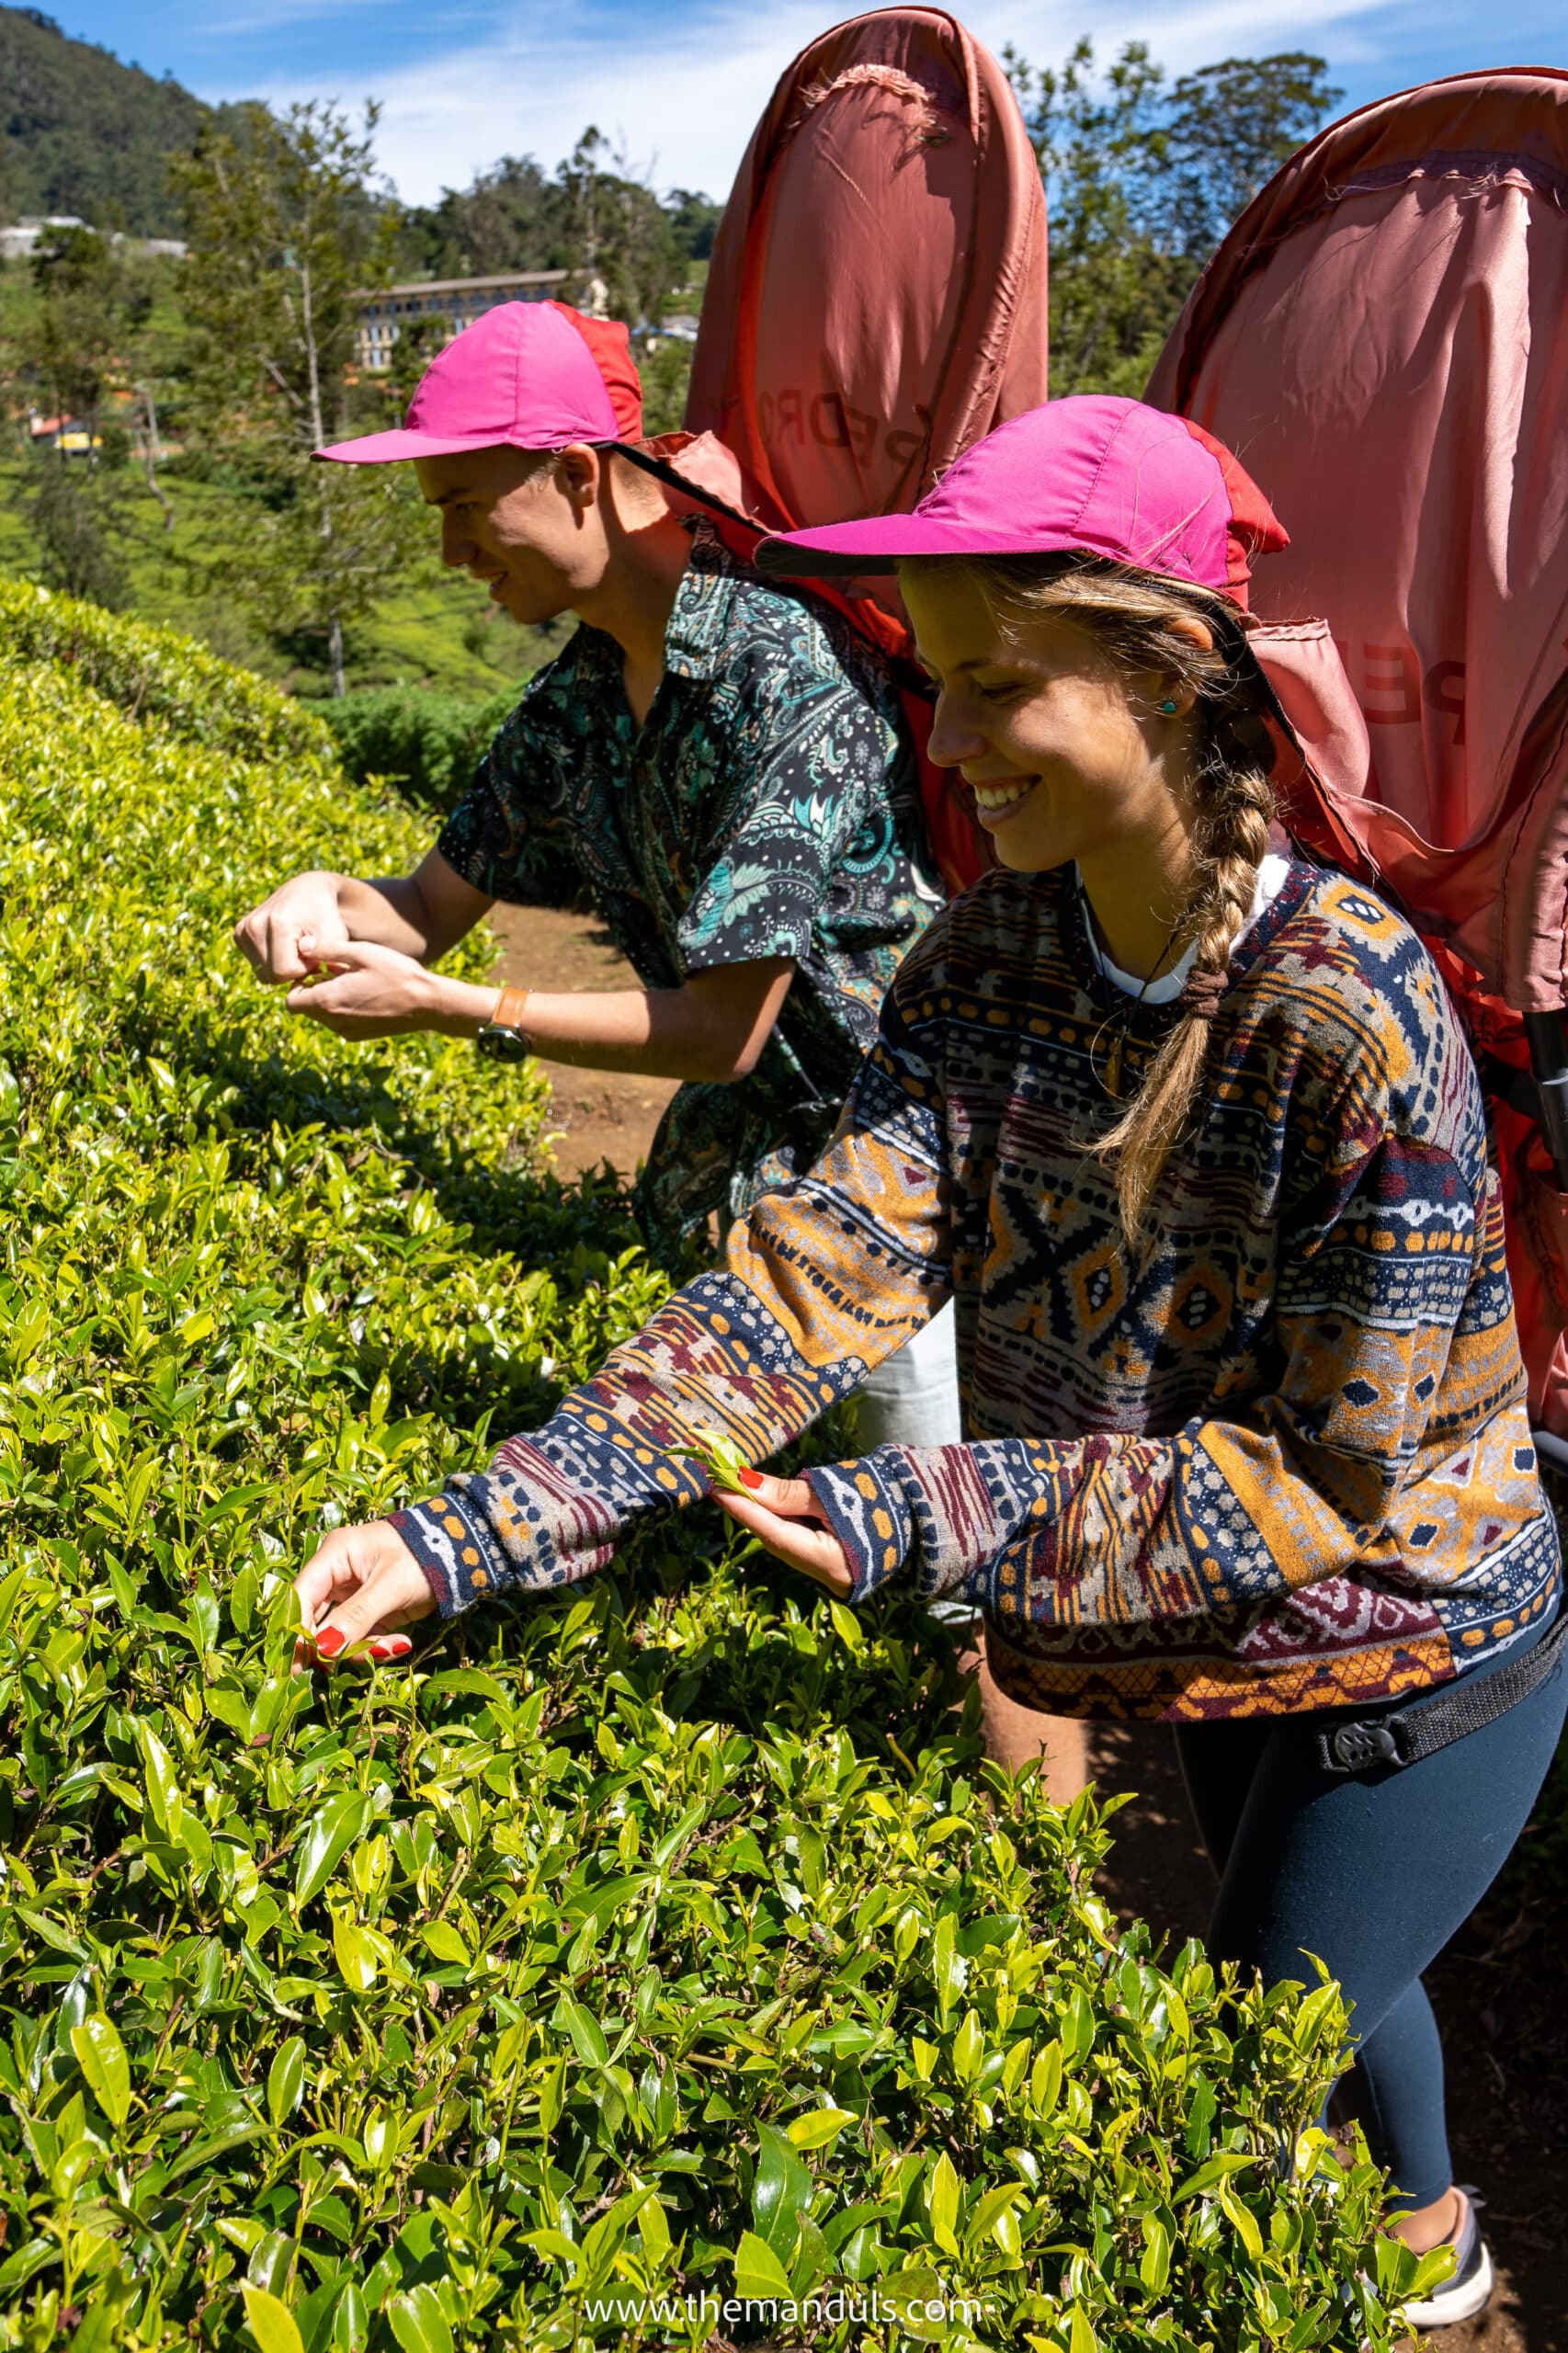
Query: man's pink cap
point(526, 376)
point(1091, 475)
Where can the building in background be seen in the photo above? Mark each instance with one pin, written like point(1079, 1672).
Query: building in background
point(387, 311)
point(72, 436)
point(21, 239)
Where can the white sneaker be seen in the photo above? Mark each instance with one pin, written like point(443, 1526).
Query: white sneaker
point(1468, 2288)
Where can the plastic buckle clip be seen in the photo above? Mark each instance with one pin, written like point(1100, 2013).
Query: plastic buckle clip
point(1351, 1749)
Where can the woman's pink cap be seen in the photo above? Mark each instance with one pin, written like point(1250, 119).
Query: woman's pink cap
point(526, 376)
point(1091, 475)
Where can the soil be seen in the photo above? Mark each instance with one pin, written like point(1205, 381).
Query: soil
point(598, 1116)
point(1499, 1988)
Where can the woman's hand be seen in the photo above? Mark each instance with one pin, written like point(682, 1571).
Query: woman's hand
point(360, 1587)
point(375, 992)
point(785, 1515)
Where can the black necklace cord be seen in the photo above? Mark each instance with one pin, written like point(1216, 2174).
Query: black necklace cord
point(1108, 1077)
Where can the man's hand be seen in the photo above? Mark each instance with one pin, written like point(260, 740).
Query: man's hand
point(290, 933)
point(784, 1514)
point(375, 992)
point(362, 1587)
point(422, 915)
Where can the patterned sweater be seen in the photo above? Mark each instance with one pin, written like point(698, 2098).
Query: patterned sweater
point(1278, 1461)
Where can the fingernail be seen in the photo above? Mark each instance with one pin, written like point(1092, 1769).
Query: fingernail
point(750, 1478)
point(329, 1642)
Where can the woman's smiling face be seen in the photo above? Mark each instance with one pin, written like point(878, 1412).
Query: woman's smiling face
point(1065, 756)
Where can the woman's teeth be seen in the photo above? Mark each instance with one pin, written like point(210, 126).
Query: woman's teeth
point(1001, 796)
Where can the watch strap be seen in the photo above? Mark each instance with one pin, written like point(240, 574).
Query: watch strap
point(504, 1035)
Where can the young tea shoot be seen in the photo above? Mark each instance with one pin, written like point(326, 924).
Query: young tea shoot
point(721, 1457)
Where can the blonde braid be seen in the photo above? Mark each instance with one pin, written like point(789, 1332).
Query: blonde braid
point(1232, 845)
point(1130, 613)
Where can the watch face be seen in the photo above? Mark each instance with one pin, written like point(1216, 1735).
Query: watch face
point(503, 1045)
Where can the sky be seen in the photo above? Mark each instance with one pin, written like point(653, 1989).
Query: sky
point(466, 81)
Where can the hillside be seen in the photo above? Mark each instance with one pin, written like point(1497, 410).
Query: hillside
point(83, 133)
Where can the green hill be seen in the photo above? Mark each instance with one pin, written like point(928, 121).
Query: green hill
point(80, 132)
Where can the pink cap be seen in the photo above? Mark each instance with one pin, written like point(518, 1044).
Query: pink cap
point(526, 376)
point(1091, 475)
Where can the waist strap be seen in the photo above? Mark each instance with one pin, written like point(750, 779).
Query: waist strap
point(1404, 1735)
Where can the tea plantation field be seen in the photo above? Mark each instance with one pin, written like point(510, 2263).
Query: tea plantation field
point(666, 1939)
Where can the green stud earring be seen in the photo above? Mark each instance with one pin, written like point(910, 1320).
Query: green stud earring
point(1168, 707)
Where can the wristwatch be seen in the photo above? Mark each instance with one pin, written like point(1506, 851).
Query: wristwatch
point(503, 1037)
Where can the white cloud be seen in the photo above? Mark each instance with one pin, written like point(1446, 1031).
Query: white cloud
point(685, 93)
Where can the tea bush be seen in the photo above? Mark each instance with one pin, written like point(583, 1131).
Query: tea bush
point(428, 745)
point(668, 1938)
point(424, 742)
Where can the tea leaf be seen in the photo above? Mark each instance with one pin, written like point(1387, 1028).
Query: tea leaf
point(758, 2272)
point(418, 2323)
point(286, 2080)
point(100, 2054)
point(270, 2323)
point(329, 1833)
point(817, 2127)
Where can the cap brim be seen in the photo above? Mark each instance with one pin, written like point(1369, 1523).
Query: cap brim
point(882, 541)
point(386, 448)
point(874, 545)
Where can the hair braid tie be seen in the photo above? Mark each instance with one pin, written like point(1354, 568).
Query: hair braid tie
point(1201, 993)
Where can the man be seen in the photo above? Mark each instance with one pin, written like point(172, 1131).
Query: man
point(727, 763)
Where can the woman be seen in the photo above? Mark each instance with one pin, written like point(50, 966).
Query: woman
point(1186, 1129)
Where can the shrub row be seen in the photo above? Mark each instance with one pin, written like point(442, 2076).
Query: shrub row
point(153, 675)
point(668, 1938)
point(424, 742)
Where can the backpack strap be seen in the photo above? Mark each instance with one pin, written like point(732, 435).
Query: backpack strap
point(672, 479)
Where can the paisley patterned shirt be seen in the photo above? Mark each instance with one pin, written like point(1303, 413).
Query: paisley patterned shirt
point(766, 807)
point(1276, 1460)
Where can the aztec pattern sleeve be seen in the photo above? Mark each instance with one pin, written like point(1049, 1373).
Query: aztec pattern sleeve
point(802, 805)
point(1391, 1357)
point(822, 1280)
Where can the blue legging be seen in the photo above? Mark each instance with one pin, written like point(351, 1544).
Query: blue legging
point(1373, 1872)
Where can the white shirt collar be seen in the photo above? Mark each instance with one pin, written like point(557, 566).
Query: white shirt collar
point(1271, 878)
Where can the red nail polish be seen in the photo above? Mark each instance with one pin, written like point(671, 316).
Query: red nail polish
point(329, 1642)
point(751, 1478)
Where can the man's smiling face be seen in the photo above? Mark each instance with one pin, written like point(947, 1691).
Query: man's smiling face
point(509, 518)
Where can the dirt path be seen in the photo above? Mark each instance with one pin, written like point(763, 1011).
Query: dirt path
point(600, 1115)
point(1499, 1988)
